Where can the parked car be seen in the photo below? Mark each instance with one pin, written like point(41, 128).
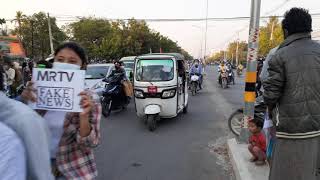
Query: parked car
point(128, 61)
point(95, 73)
point(129, 73)
point(128, 66)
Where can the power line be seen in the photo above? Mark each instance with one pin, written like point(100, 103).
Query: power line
point(262, 18)
point(239, 18)
point(277, 7)
point(201, 19)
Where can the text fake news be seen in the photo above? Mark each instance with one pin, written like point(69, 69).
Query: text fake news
point(60, 98)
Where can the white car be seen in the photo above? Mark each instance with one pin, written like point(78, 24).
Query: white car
point(128, 61)
point(95, 73)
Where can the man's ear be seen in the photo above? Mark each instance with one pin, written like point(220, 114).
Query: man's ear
point(285, 33)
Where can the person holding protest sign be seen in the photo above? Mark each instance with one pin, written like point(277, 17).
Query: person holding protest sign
point(73, 134)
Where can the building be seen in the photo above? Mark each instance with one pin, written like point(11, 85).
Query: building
point(11, 46)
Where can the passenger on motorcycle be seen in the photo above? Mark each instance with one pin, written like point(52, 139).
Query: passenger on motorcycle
point(197, 70)
point(222, 68)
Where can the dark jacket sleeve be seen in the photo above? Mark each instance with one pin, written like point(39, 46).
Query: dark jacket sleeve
point(274, 85)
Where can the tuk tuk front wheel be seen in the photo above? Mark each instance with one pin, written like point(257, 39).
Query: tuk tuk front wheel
point(152, 122)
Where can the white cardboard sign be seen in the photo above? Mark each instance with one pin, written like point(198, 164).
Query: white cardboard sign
point(58, 89)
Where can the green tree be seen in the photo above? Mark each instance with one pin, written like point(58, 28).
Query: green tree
point(270, 36)
point(113, 40)
point(218, 56)
point(242, 51)
point(2, 21)
point(91, 34)
point(19, 18)
point(34, 30)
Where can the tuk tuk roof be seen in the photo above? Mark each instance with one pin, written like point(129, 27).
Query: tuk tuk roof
point(177, 56)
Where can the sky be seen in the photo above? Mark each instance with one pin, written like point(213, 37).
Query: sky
point(189, 35)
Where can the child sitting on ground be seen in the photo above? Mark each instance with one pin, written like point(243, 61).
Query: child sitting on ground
point(257, 142)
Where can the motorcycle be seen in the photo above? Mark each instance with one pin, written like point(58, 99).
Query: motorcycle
point(113, 97)
point(194, 83)
point(236, 118)
point(230, 77)
point(223, 79)
point(239, 71)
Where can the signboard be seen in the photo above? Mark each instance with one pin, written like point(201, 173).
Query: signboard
point(58, 89)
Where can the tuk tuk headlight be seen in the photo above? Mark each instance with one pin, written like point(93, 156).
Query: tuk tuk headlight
point(138, 93)
point(168, 93)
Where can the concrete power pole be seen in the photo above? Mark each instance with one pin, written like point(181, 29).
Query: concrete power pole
point(205, 36)
point(237, 53)
point(50, 35)
point(272, 29)
point(251, 75)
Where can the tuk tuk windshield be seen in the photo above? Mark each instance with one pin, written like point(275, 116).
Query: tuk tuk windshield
point(154, 70)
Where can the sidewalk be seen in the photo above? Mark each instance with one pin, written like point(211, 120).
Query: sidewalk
point(243, 169)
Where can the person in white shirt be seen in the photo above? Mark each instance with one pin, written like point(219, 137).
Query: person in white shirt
point(10, 72)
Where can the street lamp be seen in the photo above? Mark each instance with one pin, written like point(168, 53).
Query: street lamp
point(205, 44)
point(201, 41)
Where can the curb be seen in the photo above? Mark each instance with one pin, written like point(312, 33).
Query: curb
point(243, 169)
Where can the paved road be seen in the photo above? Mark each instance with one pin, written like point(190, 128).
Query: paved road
point(189, 147)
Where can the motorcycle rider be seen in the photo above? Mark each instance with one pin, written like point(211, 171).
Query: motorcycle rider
point(230, 70)
point(120, 74)
point(197, 70)
point(239, 68)
point(222, 68)
point(118, 70)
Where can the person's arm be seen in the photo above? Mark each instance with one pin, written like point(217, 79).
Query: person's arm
point(274, 84)
point(111, 74)
point(34, 133)
point(89, 131)
point(264, 72)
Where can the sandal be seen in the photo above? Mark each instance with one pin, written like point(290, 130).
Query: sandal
point(260, 163)
point(253, 159)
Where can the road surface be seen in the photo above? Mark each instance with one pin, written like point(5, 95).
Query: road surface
point(189, 147)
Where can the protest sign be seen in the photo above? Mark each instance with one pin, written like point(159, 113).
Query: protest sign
point(58, 89)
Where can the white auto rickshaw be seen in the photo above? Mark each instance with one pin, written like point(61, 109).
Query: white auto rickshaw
point(160, 87)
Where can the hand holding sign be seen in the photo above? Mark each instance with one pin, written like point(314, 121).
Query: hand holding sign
point(58, 89)
point(86, 103)
point(28, 93)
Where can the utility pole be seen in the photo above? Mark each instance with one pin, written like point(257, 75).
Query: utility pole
point(251, 75)
point(201, 46)
point(232, 58)
point(237, 53)
point(272, 29)
point(50, 34)
point(32, 41)
point(205, 40)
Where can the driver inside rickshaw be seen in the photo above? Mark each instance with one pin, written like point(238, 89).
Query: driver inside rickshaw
point(166, 73)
